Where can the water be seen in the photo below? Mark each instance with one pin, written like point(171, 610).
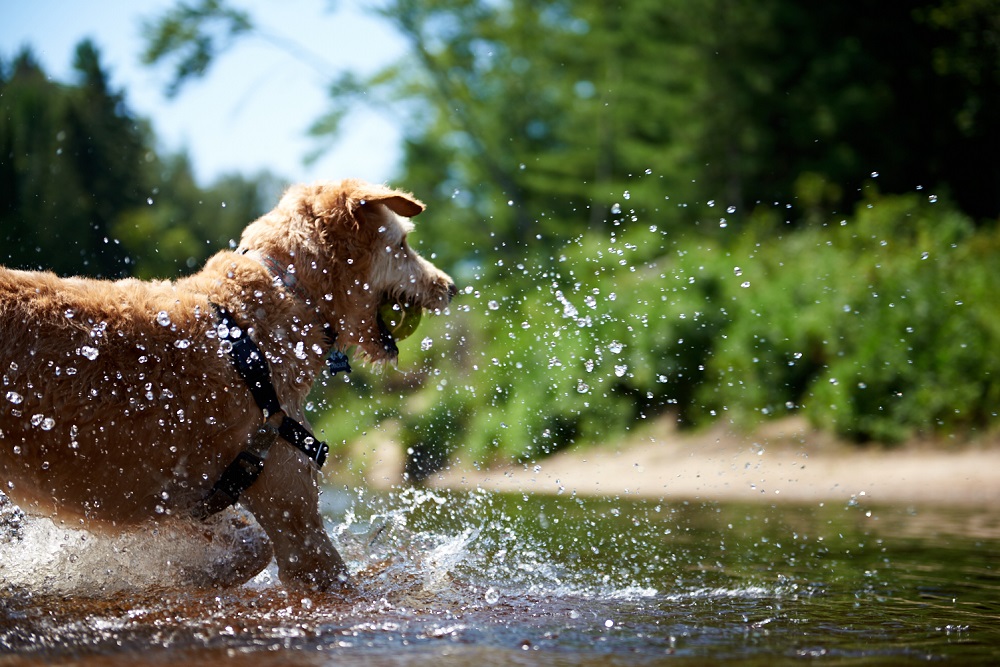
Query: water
point(480, 578)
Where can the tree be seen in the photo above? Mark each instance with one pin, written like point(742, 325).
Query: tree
point(82, 190)
point(527, 121)
point(73, 157)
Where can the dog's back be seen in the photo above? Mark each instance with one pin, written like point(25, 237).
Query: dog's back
point(99, 381)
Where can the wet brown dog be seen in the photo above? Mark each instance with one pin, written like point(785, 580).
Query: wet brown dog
point(120, 404)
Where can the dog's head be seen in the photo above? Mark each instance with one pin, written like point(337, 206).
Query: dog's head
point(347, 243)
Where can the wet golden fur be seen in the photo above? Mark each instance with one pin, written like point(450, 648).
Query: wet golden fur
point(119, 406)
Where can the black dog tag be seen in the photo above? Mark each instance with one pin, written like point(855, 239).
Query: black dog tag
point(338, 362)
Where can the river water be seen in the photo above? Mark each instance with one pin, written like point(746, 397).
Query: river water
point(481, 578)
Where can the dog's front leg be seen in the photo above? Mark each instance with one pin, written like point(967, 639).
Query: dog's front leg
point(285, 501)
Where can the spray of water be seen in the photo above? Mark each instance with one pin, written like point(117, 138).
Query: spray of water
point(45, 557)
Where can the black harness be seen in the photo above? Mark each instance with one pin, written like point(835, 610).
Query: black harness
point(252, 366)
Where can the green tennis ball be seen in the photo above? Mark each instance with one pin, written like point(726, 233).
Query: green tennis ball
point(400, 319)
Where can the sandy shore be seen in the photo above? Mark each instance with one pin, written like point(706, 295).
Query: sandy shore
point(784, 461)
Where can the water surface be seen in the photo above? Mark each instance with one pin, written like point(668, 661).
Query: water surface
point(478, 578)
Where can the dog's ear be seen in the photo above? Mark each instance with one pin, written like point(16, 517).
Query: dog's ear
point(399, 202)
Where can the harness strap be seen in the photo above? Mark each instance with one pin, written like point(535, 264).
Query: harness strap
point(256, 373)
point(240, 475)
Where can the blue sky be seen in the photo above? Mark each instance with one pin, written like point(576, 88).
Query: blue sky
point(253, 109)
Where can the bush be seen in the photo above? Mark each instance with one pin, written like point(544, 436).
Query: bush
point(878, 327)
point(881, 326)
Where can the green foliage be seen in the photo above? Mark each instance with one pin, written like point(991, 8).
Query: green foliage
point(722, 101)
point(525, 121)
point(878, 326)
point(82, 190)
point(69, 155)
point(193, 35)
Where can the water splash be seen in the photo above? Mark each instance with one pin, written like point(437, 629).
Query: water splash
point(44, 557)
point(468, 544)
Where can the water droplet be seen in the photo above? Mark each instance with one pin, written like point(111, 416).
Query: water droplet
point(14, 397)
point(493, 305)
point(163, 318)
point(492, 595)
point(627, 194)
point(89, 352)
point(426, 343)
point(621, 370)
point(149, 200)
point(745, 284)
point(616, 209)
point(730, 210)
point(182, 343)
point(874, 174)
point(582, 387)
point(738, 271)
point(615, 347)
point(69, 313)
point(932, 199)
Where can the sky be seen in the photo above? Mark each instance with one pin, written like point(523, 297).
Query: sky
point(255, 106)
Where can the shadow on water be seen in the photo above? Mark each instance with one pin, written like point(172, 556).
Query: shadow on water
point(482, 578)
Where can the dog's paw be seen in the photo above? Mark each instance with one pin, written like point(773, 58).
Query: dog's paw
point(237, 550)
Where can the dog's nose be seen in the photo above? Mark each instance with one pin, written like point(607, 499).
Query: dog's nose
point(452, 291)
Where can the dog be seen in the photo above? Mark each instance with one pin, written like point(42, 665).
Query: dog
point(124, 402)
